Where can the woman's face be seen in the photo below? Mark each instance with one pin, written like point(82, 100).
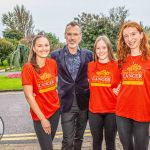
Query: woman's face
point(42, 47)
point(102, 51)
point(132, 37)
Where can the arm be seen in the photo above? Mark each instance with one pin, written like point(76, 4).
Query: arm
point(28, 91)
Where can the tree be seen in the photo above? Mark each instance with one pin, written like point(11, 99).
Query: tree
point(94, 25)
point(13, 34)
point(54, 41)
point(146, 30)
point(6, 48)
point(19, 57)
point(19, 19)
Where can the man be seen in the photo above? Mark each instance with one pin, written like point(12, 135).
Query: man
point(73, 87)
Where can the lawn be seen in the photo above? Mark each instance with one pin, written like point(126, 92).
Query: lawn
point(10, 83)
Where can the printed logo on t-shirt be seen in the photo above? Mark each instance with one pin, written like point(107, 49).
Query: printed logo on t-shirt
point(133, 75)
point(46, 83)
point(101, 78)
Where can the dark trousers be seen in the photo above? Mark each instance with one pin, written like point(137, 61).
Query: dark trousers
point(73, 126)
point(45, 140)
point(97, 123)
point(133, 135)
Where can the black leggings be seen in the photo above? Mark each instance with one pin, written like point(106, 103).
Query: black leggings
point(99, 121)
point(133, 135)
point(45, 140)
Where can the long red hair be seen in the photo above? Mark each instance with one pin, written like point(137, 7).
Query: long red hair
point(123, 50)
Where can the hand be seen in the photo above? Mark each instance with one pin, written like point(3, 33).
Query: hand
point(116, 90)
point(46, 126)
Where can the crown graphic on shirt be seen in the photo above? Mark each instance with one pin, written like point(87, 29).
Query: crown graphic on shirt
point(103, 72)
point(45, 76)
point(134, 67)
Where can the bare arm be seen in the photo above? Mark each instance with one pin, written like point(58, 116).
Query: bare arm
point(28, 91)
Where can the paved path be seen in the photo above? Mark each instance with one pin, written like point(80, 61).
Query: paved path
point(87, 145)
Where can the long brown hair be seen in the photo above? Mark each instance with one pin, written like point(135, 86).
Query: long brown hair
point(32, 54)
point(108, 44)
point(123, 50)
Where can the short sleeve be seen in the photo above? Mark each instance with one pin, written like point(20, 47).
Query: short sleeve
point(27, 75)
point(89, 69)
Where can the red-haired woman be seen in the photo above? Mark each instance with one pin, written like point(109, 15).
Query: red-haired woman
point(133, 103)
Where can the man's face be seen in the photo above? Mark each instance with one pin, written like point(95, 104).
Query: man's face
point(73, 37)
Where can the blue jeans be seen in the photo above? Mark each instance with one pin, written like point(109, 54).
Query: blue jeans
point(45, 140)
point(99, 122)
point(133, 135)
point(73, 126)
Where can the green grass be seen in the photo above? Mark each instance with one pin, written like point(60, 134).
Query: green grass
point(10, 83)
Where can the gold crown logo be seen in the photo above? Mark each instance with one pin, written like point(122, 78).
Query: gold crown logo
point(103, 72)
point(134, 67)
point(45, 76)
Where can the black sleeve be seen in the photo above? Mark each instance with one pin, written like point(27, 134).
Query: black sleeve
point(92, 56)
point(55, 54)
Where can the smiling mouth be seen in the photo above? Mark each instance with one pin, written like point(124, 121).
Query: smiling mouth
point(44, 51)
point(101, 54)
point(72, 42)
point(131, 43)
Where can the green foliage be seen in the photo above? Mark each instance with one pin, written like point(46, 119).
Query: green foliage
point(6, 48)
point(94, 25)
point(13, 34)
point(19, 19)
point(14, 42)
point(52, 38)
point(19, 57)
point(146, 30)
point(5, 64)
point(55, 43)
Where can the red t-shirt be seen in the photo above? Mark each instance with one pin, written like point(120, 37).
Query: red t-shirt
point(134, 98)
point(44, 87)
point(102, 78)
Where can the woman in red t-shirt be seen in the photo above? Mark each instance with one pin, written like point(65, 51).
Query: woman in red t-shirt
point(39, 85)
point(133, 102)
point(104, 77)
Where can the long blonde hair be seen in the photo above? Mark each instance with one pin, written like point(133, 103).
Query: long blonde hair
point(108, 44)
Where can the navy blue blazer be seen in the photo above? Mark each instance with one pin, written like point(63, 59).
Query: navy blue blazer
point(67, 87)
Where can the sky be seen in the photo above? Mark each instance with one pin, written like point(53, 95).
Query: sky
point(53, 15)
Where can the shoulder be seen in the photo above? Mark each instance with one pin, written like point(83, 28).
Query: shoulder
point(51, 61)
point(87, 51)
point(91, 65)
point(55, 53)
point(27, 66)
point(88, 54)
point(114, 62)
point(114, 65)
point(27, 69)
